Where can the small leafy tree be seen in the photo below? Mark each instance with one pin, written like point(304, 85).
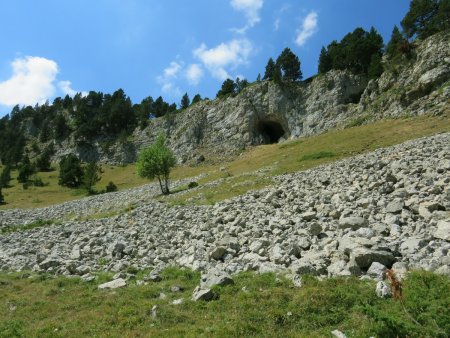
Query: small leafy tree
point(70, 172)
point(91, 175)
point(156, 161)
point(185, 101)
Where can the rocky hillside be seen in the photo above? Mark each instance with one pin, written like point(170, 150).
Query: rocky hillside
point(353, 217)
point(266, 112)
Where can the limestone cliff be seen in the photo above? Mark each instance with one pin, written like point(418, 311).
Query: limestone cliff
point(266, 112)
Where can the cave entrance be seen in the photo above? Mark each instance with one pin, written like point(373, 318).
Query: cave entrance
point(271, 131)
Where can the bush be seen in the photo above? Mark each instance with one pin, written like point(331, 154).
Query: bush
point(2, 198)
point(91, 175)
point(111, 187)
point(70, 172)
point(37, 182)
point(192, 185)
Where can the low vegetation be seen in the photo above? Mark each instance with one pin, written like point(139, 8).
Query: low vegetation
point(257, 305)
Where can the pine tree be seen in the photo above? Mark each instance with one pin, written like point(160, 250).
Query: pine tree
point(185, 101)
point(325, 62)
point(289, 65)
point(375, 67)
point(277, 77)
point(270, 68)
point(228, 88)
point(421, 20)
point(197, 98)
point(393, 48)
point(91, 175)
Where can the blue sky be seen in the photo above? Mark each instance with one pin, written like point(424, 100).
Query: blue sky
point(51, 48)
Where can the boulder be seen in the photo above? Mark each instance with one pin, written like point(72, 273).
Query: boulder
point(114, 284)
point(353, 223)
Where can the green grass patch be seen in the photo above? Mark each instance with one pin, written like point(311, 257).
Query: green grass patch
point(24, 227)
point(317, 156)
point(257, 305)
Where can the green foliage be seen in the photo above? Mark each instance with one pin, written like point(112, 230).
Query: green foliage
point(43, 161)
point(2, 198)
point(156, 161)
point(5, 176)
point(61, 129)
point(426, 17)
point(375, 67)
point(317, 156)
point(270, 68)
point(70, 172)
point(91, 175)
point(397, 44)
point(185, 101)
point(26, 169)
point(277, 76)
point(192, 185)
point(358, 121)
point(111, 187)
point(197, 98)
point(289, 65)
point(24, 227)
point(228, 88)
point(37, 181)
point(325, 62)
point(241, 85)
point(354, 52)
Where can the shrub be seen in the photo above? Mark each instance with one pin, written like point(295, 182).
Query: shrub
point(70, 172)
point(192, 185)
point(111, 187)
point(91, 175)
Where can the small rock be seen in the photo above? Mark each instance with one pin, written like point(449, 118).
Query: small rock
point(217, 253)
point(309, 215)
point(338, 334)
point(177, 301)
point(443, 230)
point(153, 312)
point(376, 270)
point(114, 284)
point(297, 281)
point(382, 290)
point(353, 223)
point(202, 294)
point(395, 207)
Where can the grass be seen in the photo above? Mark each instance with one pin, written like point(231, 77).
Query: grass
point(287, 157)
point(29, 226)
point(44, 306)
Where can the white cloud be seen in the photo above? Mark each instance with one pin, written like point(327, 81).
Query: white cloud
point(194, 73)
point(250, 8)
point(309, 27)
point(231, 54)
point(66, 88)
point(172, 70)
point(32, 81)
point(167, 79)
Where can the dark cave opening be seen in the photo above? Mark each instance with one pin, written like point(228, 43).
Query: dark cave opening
point(271, 131)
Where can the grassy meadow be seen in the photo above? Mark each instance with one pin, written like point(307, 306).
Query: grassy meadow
point(257, 305)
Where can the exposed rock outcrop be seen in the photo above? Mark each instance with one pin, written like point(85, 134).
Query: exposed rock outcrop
point(266, 112)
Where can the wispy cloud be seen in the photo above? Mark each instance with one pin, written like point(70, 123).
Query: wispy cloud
point(167, 78)
point(32, 81)
point(251, 9)
point(307, 29)
point(194, 73)
point(66, 88)
point(279, 13)
point(226, 55)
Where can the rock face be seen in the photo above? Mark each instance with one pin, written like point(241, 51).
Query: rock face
point(367, 216)
point(267, 113)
